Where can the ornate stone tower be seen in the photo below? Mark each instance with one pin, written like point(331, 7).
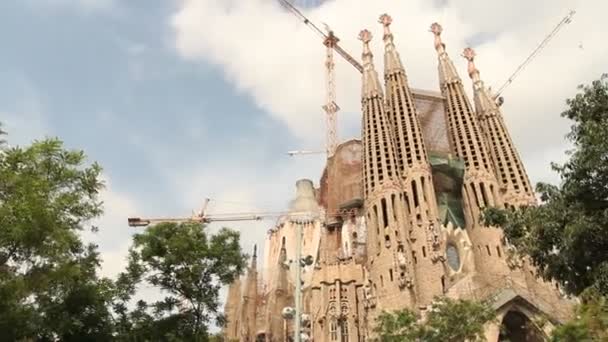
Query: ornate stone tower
point(515, 186)
point(250, 298)
point(389, 262)
point(231, 310)
point(415, 172)
point(278, 299)
point(480, 188)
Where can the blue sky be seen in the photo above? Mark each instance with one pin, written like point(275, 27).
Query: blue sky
point(107, 80)
point(181, 100)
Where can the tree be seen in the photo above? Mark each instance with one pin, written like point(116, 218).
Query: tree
point(49, 288)
point(566, 236)
point(448, 320)
point(591, 322)
point(189, 264)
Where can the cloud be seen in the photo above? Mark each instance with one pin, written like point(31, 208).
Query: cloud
point(114, 235)
point(266, 53)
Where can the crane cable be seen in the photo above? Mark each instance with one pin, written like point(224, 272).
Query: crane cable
point(302, 17)
point(566, 20)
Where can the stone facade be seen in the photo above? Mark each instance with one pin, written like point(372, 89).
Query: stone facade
point(377, 242)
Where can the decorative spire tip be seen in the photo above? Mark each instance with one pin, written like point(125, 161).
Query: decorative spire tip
point(365, 36)
point(436, 29)
point(385, 20)
point(469, 54)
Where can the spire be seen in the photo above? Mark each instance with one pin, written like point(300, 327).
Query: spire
point(414, 169)
point(465, 135)
point(383, 190)
point(232, 309)
point(278, 299)
point(250, 298)
point(254, 258)
point(505, 158)
point(447, 71)
point(371, 83)
point(379, 160)
point(392, 62)
point(480, 187)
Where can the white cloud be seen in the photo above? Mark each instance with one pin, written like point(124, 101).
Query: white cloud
point(114, 235)
point(266, 53)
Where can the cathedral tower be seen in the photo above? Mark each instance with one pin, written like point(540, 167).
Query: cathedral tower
point(231, 310)
point(480, 188)
point(249, 304)
point(414, 170)
point(388, 255)
point(514, 183)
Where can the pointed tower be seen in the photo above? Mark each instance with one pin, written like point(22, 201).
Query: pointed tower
point(280, 298)
point(388, 255)
point(415, 172)
point(232, 309)
point(249, 304)
point(480, 188)
point(514, 183)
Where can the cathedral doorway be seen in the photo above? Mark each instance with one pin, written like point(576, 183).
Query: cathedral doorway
point(517, 327)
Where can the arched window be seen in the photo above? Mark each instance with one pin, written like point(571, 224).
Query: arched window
point(333, 330)
point(453, 257)
point(344, 331)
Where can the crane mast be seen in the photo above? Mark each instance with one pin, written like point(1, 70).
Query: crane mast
point(331, 107)
point(330, 40)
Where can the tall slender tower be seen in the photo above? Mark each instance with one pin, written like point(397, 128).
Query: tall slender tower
point(231, 310)
point(415, 172)
point(388, 255)
point(279, 299)
point(515, 186)
point(249, 304)
point(480, 188)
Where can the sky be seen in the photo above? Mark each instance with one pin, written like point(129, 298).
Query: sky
point(180, 100)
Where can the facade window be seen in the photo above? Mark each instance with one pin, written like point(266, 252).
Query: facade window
point(453, 257)
point(333, 330)
point(488, 250)
point(344, 331)
point(390, 273)
point(498, 251)
point(332, 293)
point(343, 293)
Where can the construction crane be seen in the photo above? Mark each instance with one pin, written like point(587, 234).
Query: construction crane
point(330, 40)
point(299, 152)
point(565, 20)
point(202, 217)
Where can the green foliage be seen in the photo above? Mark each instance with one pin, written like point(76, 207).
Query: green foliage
point(48, 283)
point(591, 322)
point(448, 320)
point(397, 326)
point(191, 266)
point(566, 236)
